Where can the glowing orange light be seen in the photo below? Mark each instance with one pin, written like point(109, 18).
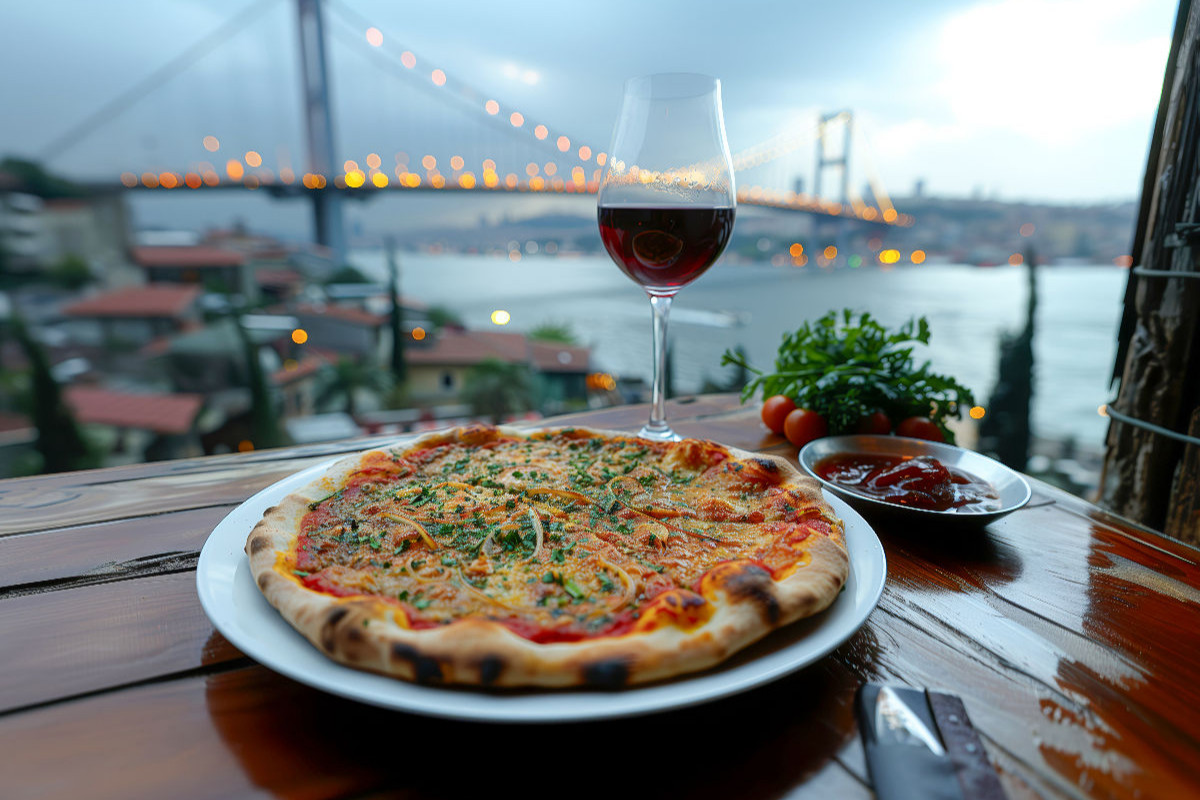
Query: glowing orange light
point(437, 181)
point(564, 144)
point(380, 179)
point(168, 180)
point(349, 166)
point(193, 181)
point(211, 144)
point(537, 184)
point(1123, 261)
point(541, 132)
point(373, 160)
point(1027, 229)
point(889, 215)
point(514, 255)
point(286, 175)
point(550, 168)
point(439, 77)
point(414, 180)
point(889, 256)
point(977, 412)
point(299, 336)
point(211, 178)
point(492, 107)
point(830, 252)
point(517, 119)
point(585, 153)
point(429, 162)
point(355, 179)
point(918, 256)
point(488, 164)
point(601, 158)
point(1103, 410)
point(796, 250)
point(245, 446)
point(456, 162)
point(467, 180)
point(1016, 259)
point(491, 179)
point(418, 333)
point(510, 180)
point(234, 169)
point(253, 158)
point(531, 169)
point(374, 37)
point(128, 179)
point(408, 59)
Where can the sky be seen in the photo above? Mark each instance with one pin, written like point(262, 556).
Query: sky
point(1030, 100)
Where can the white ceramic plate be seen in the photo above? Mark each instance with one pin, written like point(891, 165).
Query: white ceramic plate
point(240, 612)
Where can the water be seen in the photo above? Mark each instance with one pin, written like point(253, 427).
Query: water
point(753, 305)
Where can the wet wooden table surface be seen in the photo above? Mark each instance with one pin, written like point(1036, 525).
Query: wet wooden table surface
point(1072, 637)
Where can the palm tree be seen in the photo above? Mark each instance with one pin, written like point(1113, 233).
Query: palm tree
point(350, 377)
point(495, 388)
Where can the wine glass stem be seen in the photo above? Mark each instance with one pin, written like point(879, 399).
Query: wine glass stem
point(657, 427)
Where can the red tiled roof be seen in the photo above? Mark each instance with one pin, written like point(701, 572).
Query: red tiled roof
point(161, 413)
point(187, 257)
point(552, 357)
point(137, 301)
point(461, 347)
point(308, 366)
point(345, 313)
point(277, 277)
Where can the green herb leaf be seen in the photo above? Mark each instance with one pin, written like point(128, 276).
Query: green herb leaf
point(845, 366)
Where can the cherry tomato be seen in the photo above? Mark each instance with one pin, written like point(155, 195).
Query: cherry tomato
point(920, 428)
point(775, 410)
point(876, 422)
point(803, 425)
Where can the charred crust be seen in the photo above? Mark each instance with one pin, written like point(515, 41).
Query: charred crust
point(767, 465)
point(425, 668)
point(490, 669)
point(258, 544)
point(263, 579)
point(611, 673)
point(328, 629)
point(753, 584)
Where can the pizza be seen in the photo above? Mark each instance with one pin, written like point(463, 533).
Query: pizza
point(491, 557)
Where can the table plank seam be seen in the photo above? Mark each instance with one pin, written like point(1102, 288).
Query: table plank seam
point(242, 662)
point(170, 563)
point(7, 536)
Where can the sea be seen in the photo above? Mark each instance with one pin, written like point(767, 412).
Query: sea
point(754, 304)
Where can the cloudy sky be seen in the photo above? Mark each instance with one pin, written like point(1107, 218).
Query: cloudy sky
point(1049, 100)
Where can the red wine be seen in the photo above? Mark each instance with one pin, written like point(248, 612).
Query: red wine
point(665, 248)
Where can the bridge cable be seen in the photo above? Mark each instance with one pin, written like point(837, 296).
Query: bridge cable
point(122, 102)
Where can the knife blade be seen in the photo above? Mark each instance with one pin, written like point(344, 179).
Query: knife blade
point(921, 746)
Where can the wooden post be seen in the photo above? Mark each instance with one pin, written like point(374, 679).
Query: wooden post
point(1145, 476)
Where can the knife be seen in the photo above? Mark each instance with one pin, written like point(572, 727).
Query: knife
point(921, 746)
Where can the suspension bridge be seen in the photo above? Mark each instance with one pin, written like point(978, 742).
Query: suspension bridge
point(455, 137)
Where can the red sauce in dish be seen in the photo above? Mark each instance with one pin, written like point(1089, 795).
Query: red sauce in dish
point(918, 482)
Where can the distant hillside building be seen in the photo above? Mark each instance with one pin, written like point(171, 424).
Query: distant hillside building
point(212, 268)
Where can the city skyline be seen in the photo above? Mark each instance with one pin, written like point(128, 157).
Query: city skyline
point(1018, 99)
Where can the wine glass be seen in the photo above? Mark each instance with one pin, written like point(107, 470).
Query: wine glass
point(667, 201)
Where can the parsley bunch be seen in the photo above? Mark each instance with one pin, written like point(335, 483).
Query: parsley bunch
point(845, 367)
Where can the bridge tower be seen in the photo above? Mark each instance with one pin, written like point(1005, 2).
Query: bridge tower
point(824, 159)
point(318, 119)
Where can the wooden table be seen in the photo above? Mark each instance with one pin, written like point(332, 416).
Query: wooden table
point(1073, 638)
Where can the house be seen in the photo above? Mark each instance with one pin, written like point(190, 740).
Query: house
point(346, 330)
point(438, 365)
point(213, 268)
point(116, 326)
point(139, 427)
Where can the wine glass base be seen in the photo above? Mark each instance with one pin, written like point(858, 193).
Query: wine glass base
point(659, 433)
